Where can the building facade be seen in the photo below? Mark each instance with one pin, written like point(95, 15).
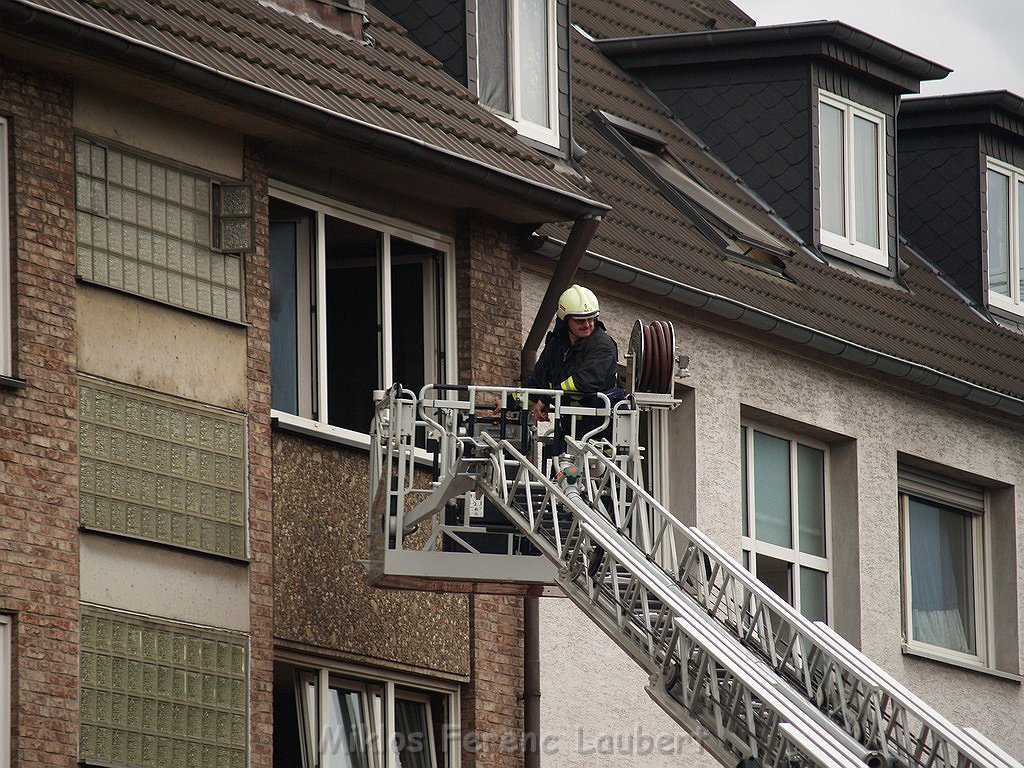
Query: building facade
point(224, 225)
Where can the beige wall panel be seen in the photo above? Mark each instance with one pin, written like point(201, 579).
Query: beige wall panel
point(162, 582)
point(160, 348)
point(157, 130)
point(321, 597)
point(873, 425)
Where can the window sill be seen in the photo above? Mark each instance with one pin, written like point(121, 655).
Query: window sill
point(848, 256)
point(1006, 306)
point(289, 422)
point(963, 664)
point(545, 137)
point(9, 382)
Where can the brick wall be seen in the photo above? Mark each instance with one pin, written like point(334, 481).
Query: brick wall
point(489, 292)
point(38, 425)
point(261, 591)
point(490, 339)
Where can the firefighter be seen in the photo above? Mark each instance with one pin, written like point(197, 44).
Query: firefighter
point(579, 354)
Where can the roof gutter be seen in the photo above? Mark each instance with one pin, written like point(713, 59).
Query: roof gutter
point(49, 27)
point(780, 34)
point(779, 327)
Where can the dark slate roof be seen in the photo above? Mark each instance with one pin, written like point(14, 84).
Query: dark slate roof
point(439, 26)
point(998, 110)
point(830, 40)
point(391, 86)
point(925, 322)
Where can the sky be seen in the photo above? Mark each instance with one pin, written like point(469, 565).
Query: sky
point(978, 39)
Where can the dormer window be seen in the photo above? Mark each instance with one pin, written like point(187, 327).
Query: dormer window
point(1005, 197)
point(851, 172)
point(517, 75)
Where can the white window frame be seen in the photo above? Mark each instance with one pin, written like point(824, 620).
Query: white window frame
point(543, 134)
point(5, 691)
point(380, 691)
point(752, 546)
point(1015, 301)
point(981, 582)
point(848, 243)
point(323, 207)
point(6, 314)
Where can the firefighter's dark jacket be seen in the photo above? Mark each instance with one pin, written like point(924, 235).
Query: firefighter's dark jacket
point(589, 365)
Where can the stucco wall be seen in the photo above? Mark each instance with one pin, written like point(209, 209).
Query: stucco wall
point(139, 577)
point(148, 345)
point(869, 425)
point(321, 598)
point(159, 131)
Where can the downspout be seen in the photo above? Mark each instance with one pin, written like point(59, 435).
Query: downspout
point(572, 254)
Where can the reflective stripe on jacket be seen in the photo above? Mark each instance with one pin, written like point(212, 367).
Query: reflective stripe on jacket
point(589, 365)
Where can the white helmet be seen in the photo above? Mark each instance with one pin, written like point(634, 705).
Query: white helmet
point(577, 301)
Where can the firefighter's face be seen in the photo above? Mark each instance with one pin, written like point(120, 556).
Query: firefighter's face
point(580, 327)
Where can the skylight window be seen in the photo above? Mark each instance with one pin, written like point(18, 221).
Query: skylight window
point(722, 224)
point(740, 233)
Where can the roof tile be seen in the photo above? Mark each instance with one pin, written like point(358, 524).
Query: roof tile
point(392, 84)
point(923, 320)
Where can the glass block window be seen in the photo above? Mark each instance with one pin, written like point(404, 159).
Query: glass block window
point(160, 694)
point(161, 469)
point(145, 228)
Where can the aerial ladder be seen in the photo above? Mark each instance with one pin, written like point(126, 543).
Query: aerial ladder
point(457, 471)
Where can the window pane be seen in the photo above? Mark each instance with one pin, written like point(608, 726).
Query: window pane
point(312, 719)
point(1020, 241)
point(534, 73)
point(811, 499)
point(743, 481)
point(414, 339)
point(345, 737)
point(813, 597)
point(288, 725)
point(865, 178)
point(833, 212)
point(284, 360)
point(353, 322)
point(776, 575)
point(998, 233)
point(492, 54)
point(942, 576)
point(772, 521)
point(412, 734)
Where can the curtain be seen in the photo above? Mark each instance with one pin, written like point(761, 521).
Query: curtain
point(942, 576)
point(412, 734)
point(492, 54)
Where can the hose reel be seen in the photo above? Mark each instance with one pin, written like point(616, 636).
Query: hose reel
point(652, 356)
